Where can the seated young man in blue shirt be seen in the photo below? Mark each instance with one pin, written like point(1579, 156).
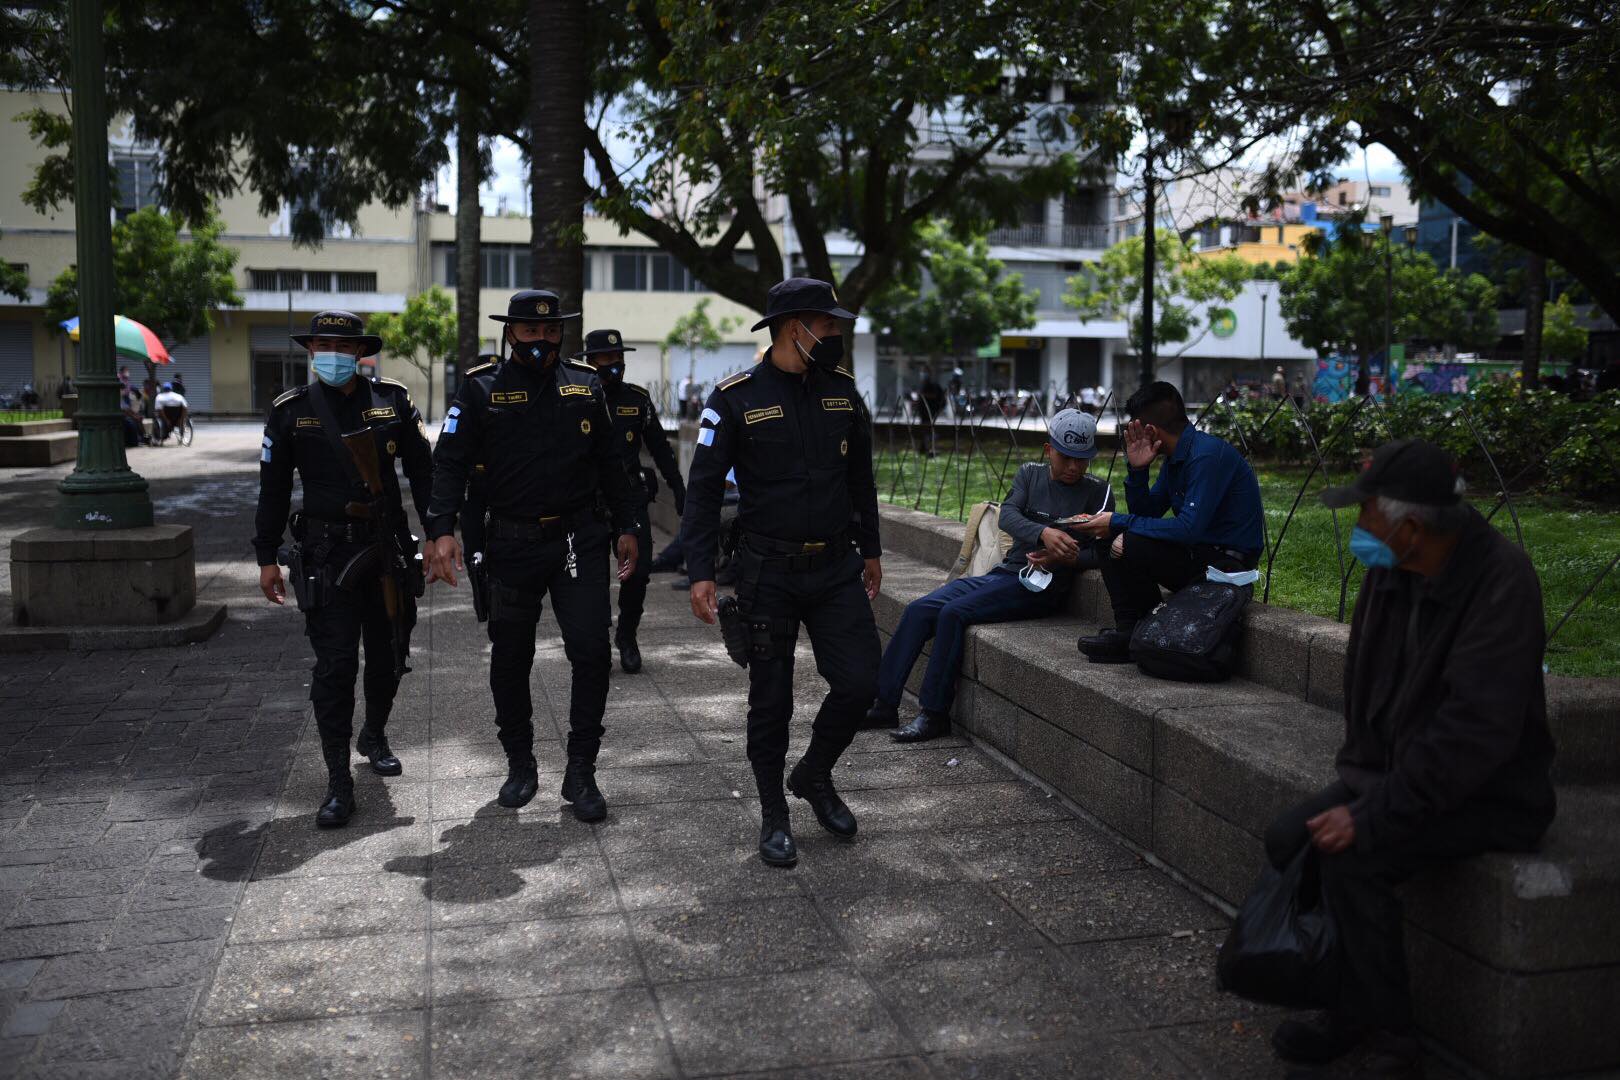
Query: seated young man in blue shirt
point(1216, 515)
point(1041, 495)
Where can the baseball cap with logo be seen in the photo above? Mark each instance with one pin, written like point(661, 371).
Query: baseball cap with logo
point(1074, 433)
point(1410, 470)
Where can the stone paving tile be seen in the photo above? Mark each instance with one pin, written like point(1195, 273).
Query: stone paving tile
point(724, 823)
point(1047, 849)
point(482, 894)
point(896, 928)
point(136, 968)
point(674, 878)
point(300, 849)
point(380, 1045)
point(1095, 1058)
point(907, 1068)
point(753, 937)
point(1168, 980)
point(611, 1035)
point(340, 905)
point(299, 980)
point(501, 836)
point(1124, 904)
point(529, 959)
point(797, 1019)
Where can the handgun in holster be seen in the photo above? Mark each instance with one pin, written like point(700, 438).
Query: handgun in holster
point(734, 630)
point(306, 580)
point(478, 580)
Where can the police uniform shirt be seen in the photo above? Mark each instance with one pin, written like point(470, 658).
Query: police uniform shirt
point(293, 441)
point(545, 438)
point(802, 449)
point(635, 423)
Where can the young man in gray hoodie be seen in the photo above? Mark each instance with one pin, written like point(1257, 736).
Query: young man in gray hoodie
point(1020, 588)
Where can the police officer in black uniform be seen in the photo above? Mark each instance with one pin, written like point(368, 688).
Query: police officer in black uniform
point(541, 427)
point(800, 439)
point(635, 423)
point(340, 521)
point(474, 512)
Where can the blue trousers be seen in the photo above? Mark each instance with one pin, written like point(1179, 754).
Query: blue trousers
point(944, 615)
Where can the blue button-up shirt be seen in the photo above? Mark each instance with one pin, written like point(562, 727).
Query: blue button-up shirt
point(1210, 490)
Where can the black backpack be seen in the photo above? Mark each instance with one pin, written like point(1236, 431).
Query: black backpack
point(1194, 635)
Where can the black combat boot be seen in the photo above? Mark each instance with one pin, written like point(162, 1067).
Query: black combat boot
point(339, 805)
point(776, 846)
point(373, 744)
point(522, 781)
point(812, 782)
point(629, 652)
point(579, 787)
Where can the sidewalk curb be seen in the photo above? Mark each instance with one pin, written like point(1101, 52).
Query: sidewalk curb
point(199, 624)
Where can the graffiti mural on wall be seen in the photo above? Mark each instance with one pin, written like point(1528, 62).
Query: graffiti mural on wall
point(1336, 377)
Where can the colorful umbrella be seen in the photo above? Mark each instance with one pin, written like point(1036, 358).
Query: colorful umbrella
point(131, 339)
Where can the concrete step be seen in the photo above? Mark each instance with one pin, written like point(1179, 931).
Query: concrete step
point(34, 427)
point(34, 451)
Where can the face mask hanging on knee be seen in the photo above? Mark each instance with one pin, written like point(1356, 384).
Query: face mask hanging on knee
point(1035, 578)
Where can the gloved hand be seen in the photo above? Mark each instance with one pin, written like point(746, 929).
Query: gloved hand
point(679, 491)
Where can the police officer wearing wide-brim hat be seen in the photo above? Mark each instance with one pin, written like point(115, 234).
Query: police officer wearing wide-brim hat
point(540, 426)
point(800, 439)
point(635, 424)
point(341, 521)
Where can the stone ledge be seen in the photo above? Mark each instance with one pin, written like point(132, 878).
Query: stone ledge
point(198, 624)
point(51, 544)
point(34, 427)
point(34, 451)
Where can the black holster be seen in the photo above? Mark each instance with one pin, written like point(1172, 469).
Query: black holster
point(307, 577)
point(507, 604)
point(734, 630)
point(478, 581)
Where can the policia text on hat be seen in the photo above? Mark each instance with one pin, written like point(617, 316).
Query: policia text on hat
point(799, 436)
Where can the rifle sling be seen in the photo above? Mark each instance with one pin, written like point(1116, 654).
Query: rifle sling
point(334, 438)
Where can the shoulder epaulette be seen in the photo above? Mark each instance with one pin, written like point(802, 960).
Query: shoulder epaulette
point(396, 384)
point(290, 394)
point(642, 390)
point(479, 368)
point(580, 365)
point(740, 377)
point(845, 372)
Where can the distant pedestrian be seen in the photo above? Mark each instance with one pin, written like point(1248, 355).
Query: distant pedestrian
point(1279, 383)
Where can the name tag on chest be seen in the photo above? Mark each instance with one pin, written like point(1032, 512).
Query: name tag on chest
point(509, 397)
point(629, 410)
point(570, 389)
point(384, 413)
point(754, 416)
point(837, 404)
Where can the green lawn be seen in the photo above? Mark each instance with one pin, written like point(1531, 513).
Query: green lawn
point(1569, 543)
point(18, 416)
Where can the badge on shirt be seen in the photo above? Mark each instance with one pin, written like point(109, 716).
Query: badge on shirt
point(386, 412)
point(629, 410)
point(308, 421)
point(629, 436)
point(572, 389)
point(392, 446)
point(585, 427)
point(754, 416)
point(837, 404)
point(843, 448)
point(509, 397)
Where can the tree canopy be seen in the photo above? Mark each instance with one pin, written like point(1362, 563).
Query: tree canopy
point(966, 300)
point(695, 332)
point(423, 335)
point(1189, 289)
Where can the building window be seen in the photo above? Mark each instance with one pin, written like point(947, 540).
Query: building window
point(356, 281)
point(1379, 191)
point(137, 182)
point(363, 281)
point(630, 272)
point(495, 268)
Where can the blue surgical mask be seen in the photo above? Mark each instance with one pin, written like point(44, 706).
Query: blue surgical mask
point(333, 368)
point(1370, 551)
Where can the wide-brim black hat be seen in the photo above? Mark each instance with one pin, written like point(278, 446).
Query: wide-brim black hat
point(340, 324)
point(798, 295)
point(603, 341)
point(534, 306)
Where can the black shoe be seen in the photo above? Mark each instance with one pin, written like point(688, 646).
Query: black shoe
point(1316, 1042)
point(1107, 647)
point(337, 808)
point(579, 787)
point(925, 726)
point(776, 846)
point(374, 745)
point(817, 790)
point(629, 654)
point(522, 781)
point(880, 716)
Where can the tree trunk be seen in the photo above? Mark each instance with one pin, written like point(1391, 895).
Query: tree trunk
point(557, 94)
point(1364, 355)
point(1535, 297)
point(469, 218)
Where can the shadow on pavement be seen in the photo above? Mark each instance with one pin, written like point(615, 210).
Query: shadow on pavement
point(219, 847)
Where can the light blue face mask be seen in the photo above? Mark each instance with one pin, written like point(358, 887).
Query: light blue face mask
point(1370, 551)
point(333, 368)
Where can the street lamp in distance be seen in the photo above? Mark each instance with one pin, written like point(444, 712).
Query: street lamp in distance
point(1386, 225)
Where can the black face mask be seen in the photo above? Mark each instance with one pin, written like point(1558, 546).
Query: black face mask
point(542, 352)
point(611, 374)
point(826, 353)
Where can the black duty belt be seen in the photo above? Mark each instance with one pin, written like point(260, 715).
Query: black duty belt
point(343, 532)
point(545, 527)
point(799, 555)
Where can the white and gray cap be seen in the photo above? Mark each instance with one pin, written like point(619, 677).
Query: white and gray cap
point(1074, 433)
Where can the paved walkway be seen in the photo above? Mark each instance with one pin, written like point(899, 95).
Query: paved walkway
point(168, 907)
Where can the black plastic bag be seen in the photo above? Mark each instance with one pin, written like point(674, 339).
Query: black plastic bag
point(1283, 949)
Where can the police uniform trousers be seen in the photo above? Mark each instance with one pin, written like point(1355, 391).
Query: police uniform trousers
point(633, 589)
point(830, 601)
point(522, 574)
point(347, 619)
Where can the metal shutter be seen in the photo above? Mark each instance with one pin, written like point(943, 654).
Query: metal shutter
point(16, 356)
point(193, 362)
point(274, 337)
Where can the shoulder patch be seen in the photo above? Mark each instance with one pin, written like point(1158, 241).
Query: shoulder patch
point(734, 380)
point(290, 394)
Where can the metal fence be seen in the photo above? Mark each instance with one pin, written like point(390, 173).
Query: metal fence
point(33, 400)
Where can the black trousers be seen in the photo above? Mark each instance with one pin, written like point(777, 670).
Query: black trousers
point(1359, 888)
point(337, 630)
point(831, 603)
point(1133, 580)
point(533, 569)
point(633, 589)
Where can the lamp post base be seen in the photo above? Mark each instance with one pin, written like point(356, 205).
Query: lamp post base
point(100, 508)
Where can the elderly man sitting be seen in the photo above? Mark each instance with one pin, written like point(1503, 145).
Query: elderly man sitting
point(1029, 583)
point(1446, 750)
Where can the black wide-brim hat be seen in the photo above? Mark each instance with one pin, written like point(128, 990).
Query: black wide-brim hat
point(798, 295)
point(340, 324)
point(603, 341)
point(534, 306)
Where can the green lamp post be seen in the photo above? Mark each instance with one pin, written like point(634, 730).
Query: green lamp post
point(102, 492)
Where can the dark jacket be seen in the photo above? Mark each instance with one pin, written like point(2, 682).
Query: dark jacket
point(1209, 489)
point(1445, 707)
